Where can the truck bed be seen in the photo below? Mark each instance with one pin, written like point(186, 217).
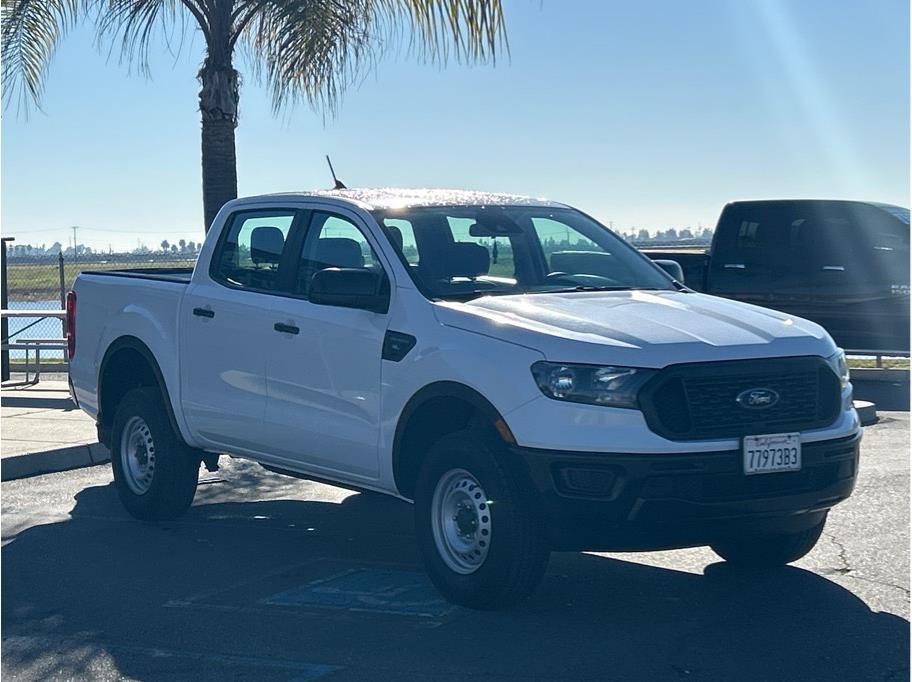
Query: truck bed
point(144, 303)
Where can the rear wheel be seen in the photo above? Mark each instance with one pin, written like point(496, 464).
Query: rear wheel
point(769, 550)
point(155, 473)
point(482, 543)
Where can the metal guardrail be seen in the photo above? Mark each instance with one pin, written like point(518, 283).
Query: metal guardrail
point(60, 314)
point(878, 355)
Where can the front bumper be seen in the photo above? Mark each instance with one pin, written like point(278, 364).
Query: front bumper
point(628, 502)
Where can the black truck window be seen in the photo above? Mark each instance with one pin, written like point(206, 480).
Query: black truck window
point(846, 245)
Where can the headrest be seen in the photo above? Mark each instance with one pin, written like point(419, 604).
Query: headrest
point(465, 259)
point(266, 243)
point(395, 235)
point(339, 252)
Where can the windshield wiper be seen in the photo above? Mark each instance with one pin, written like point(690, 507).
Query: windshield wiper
point(591, 287)
point(470, 295)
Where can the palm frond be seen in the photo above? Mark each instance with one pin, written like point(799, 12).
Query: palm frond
point(311, 49)
point(315, 49)
point(473, 29)
point(30, 32)
point(133, 24)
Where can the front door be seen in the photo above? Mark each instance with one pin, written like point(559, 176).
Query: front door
point(227, 317)
point(323, 362)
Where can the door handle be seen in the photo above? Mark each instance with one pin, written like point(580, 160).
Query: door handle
point(204, 312)
point(834, 268)
point(285, 328)
point(734, 266)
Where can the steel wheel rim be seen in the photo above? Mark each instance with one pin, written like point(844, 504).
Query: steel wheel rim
point(137, 455)
point(461, 521)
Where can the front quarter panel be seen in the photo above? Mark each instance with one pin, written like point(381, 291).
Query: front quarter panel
point(497, 370)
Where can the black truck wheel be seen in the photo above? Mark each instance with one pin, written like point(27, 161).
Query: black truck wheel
point(482, 544)
point(758, 551)
point(154, 471)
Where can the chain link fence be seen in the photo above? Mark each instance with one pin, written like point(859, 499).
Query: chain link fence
point(41, 282)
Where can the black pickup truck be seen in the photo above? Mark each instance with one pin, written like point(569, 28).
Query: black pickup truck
point(842, 264)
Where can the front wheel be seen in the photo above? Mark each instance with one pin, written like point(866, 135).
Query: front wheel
point(155, 472)
point(759, 551)
point(482, 544)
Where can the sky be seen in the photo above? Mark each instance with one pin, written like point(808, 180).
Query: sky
point(646, 114)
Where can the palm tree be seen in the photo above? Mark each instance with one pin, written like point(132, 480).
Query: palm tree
point(302, 49)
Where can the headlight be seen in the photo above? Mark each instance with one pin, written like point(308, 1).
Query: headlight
point(839, 364)
point(594, 384)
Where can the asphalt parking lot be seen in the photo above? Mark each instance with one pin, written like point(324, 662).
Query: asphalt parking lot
point(270, 578)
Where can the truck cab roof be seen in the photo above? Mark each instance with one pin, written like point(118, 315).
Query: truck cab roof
point(393, 197)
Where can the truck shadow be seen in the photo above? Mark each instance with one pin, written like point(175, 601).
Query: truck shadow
point(11, 399)
point(185, 600)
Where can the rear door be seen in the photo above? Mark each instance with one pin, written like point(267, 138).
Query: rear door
point(323, 362)
point(228, 317)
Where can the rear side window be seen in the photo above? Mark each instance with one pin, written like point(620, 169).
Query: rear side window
point(250, 250)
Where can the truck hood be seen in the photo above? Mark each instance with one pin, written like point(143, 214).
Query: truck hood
point(637, 328)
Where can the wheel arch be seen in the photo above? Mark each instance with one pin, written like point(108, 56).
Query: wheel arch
point(434, 411)
point(136, 366)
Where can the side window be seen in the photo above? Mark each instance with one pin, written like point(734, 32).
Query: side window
point(250, 250)
point(332, 242)
point(823, 241)
point(756, 237)
point(864, 244)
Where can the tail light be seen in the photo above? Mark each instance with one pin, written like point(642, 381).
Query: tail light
point(71, 324)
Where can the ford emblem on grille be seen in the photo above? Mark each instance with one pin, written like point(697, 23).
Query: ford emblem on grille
point(757, 398)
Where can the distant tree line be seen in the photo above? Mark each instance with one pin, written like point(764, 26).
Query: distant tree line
point(182, 247)
point(686, 235)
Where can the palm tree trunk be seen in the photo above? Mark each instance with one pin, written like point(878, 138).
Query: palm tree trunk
point(218, 101)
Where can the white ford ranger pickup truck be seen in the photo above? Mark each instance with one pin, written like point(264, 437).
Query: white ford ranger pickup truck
point(522, 375)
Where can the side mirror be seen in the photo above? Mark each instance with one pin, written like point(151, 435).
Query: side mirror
point(672, 267)
point(350, 288)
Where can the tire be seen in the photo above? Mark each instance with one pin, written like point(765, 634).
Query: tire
point(502, 555)
point(162, 488)
point(764, 551)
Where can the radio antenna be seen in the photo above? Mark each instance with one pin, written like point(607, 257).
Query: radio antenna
point(338, 184)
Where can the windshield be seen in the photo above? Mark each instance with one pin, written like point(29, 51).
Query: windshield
point(461, 252)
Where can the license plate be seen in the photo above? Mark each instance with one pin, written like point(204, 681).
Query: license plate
point(772, 453)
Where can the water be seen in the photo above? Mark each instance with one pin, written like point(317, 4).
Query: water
point(49, 328)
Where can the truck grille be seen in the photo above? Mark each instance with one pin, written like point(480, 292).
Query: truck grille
point(697, 401)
